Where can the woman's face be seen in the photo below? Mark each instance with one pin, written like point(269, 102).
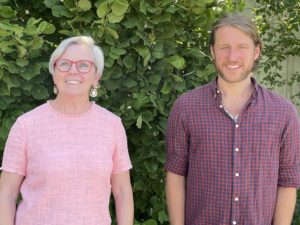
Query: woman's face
point(75, 71)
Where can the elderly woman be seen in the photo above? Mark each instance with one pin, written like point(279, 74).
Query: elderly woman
point(66, 155)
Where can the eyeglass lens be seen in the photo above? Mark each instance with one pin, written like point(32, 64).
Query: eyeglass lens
point(83, 66)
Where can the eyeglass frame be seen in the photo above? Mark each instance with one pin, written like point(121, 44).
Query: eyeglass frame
point(74, 62)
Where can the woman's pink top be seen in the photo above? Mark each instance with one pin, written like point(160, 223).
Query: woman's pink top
point(67, 161)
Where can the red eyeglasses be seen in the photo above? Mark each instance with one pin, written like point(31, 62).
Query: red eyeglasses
point(83, 66)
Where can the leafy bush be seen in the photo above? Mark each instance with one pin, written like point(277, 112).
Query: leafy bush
point(154, 49)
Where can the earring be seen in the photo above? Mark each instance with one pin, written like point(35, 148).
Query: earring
point(55, 90)
point(93, 92)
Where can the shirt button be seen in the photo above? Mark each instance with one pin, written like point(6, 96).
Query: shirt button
point(234, 222)
point(236, 125)
point(237, 149)
point(218, 91)
point(237, 174)
point(221, 106)
point(236, 199)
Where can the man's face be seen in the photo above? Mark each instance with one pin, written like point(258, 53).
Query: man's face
point(234, 54)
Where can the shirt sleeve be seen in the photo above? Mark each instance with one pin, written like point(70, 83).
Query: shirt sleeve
point(177, 141)
point(289, 162)
point(121, 159)
point(14, 156)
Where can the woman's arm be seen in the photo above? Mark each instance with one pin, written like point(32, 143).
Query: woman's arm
point(122, 192)
point(9, 190)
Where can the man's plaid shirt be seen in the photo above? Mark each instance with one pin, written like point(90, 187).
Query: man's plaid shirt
point(233, 168)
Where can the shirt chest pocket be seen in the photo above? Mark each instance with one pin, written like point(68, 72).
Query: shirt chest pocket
point(264, 135)
point(263, 141)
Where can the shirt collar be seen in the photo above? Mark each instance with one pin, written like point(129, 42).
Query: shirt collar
point(216, 92)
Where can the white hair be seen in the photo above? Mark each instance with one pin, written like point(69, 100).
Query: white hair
point(86, 40)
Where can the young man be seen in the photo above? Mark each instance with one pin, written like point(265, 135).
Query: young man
point(233, 147)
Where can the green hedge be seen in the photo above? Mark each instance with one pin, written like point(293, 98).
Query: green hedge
point(154, 51)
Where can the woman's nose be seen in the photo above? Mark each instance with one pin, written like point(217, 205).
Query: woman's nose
point(73, 68)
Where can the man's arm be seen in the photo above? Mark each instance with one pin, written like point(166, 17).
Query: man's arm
point(175, 193)
point(9, 191)
point(122, 192)
point(285, 205)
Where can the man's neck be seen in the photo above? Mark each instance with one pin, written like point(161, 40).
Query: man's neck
point(235, 89)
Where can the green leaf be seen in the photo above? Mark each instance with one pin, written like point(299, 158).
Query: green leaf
point(111, 85)
point(113, 18)
point(118, 51)
point(4, 91)
point(60, 11)
point(158, 55)
point(32, 21)
point(84, 5)
point(143, 8)
point(155, 79)
point(177, 61)
point(31, 72)
point(162, 216)
point(12, 68)
point(22, 62)
point(7, 12)
point(4, 33)
point(139, 122)
point(39, 92)
point(69, 4)
point(50, 3)
point(151, 167)
point(119, 7)
point(144, 52)
point(36, 43)
point(11, 81)
point(166, 89)
point(66, 32)
point(128, 61)
point(129, 83)
point(161, 157)
point(50, 29)
point(22, 51)
point(1, 73)
point(42, 26)
point(113, 55)
point(102, 9)
point(12, 27)
point(112, 32)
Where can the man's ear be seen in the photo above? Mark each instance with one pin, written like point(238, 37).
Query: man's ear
point(212, 52)
point(257, 52)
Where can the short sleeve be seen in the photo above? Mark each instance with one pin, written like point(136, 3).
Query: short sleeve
point(289, 163)
point(121, 159)
point(177, 141)
point(14, 156)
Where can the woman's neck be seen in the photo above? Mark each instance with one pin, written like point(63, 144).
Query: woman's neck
point(71, 105)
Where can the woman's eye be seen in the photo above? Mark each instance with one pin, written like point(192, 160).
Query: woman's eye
point(83, 65)
point(64, 64)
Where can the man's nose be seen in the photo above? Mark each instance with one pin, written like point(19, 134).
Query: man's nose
point(233, 54)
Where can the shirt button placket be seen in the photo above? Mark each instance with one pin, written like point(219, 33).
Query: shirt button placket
point(236, 176)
